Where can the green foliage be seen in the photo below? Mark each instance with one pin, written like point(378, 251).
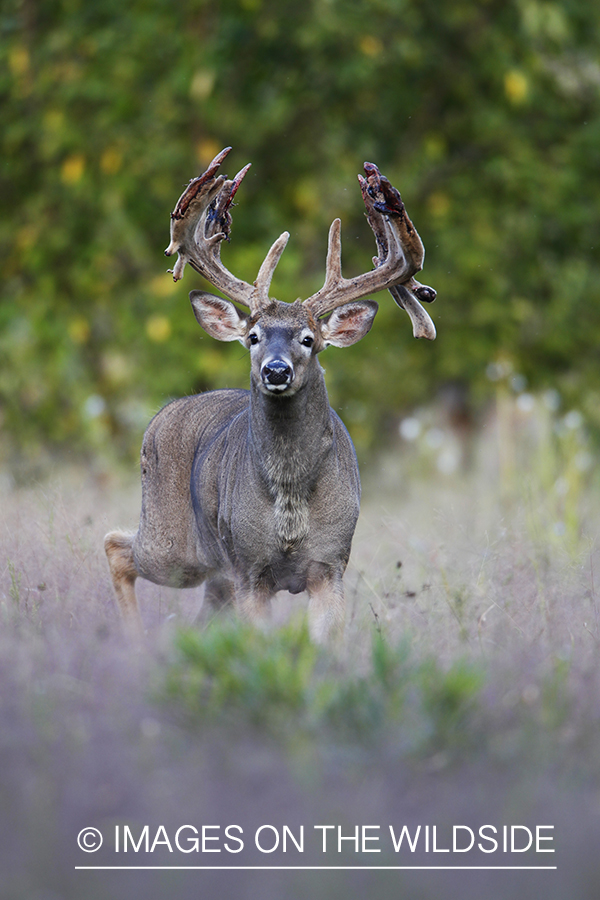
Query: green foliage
point(241, 671)
point(280, 683)
point(485, 115)
point(233, 680)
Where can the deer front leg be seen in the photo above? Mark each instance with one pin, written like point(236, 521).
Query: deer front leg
point(119, 552)
point(327, 606)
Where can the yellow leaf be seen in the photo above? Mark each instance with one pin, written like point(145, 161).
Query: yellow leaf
point(79, 330)
point(516, 86)
point(201, 85)
point(158, 328)
point(18, 60)
point(370, 45)
point(163, 285)
point(73, 168)
point(206, 150)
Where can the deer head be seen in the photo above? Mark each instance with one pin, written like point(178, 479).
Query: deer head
point(283, 338)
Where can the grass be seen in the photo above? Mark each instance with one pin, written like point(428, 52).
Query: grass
point(466, 691)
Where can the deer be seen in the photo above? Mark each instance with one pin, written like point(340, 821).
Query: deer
point(256, 491)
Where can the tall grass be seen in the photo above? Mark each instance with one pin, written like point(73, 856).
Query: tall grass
point(466, 689)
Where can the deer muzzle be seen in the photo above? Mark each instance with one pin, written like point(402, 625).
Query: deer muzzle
point(276, 374)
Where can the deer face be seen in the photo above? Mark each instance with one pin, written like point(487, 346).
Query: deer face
point(283, 338)
point(283, 342)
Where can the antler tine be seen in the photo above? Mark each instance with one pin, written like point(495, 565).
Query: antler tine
point(265, 273)
point(333, 266)
point(405, 298)
point(401, 255)
point(334, 281)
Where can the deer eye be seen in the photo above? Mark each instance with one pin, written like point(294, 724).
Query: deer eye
point(253, 338)
point(307, 341)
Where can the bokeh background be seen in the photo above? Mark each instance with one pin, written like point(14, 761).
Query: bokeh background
point(484, 114)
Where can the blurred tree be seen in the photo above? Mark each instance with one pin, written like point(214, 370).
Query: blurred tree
point(485, 115)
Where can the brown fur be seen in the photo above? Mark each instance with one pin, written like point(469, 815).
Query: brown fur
point(252, 491)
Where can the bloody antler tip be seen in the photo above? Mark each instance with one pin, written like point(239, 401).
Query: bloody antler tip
point(240, 175)
point(371, 170)
point(218, 159)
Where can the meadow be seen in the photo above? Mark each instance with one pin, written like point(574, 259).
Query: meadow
point(466, 690)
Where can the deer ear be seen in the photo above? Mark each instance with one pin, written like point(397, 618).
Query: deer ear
point(349, 323)
point(219, 318)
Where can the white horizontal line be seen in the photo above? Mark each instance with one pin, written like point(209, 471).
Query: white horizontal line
point(325, 868)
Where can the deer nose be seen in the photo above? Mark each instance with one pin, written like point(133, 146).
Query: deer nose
point(277, 373)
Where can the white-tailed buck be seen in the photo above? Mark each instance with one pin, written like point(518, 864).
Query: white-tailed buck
point(258, 491)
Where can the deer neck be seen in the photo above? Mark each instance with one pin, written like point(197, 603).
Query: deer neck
point(290, 437)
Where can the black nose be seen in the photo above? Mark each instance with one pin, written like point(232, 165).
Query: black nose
point(276, 371)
